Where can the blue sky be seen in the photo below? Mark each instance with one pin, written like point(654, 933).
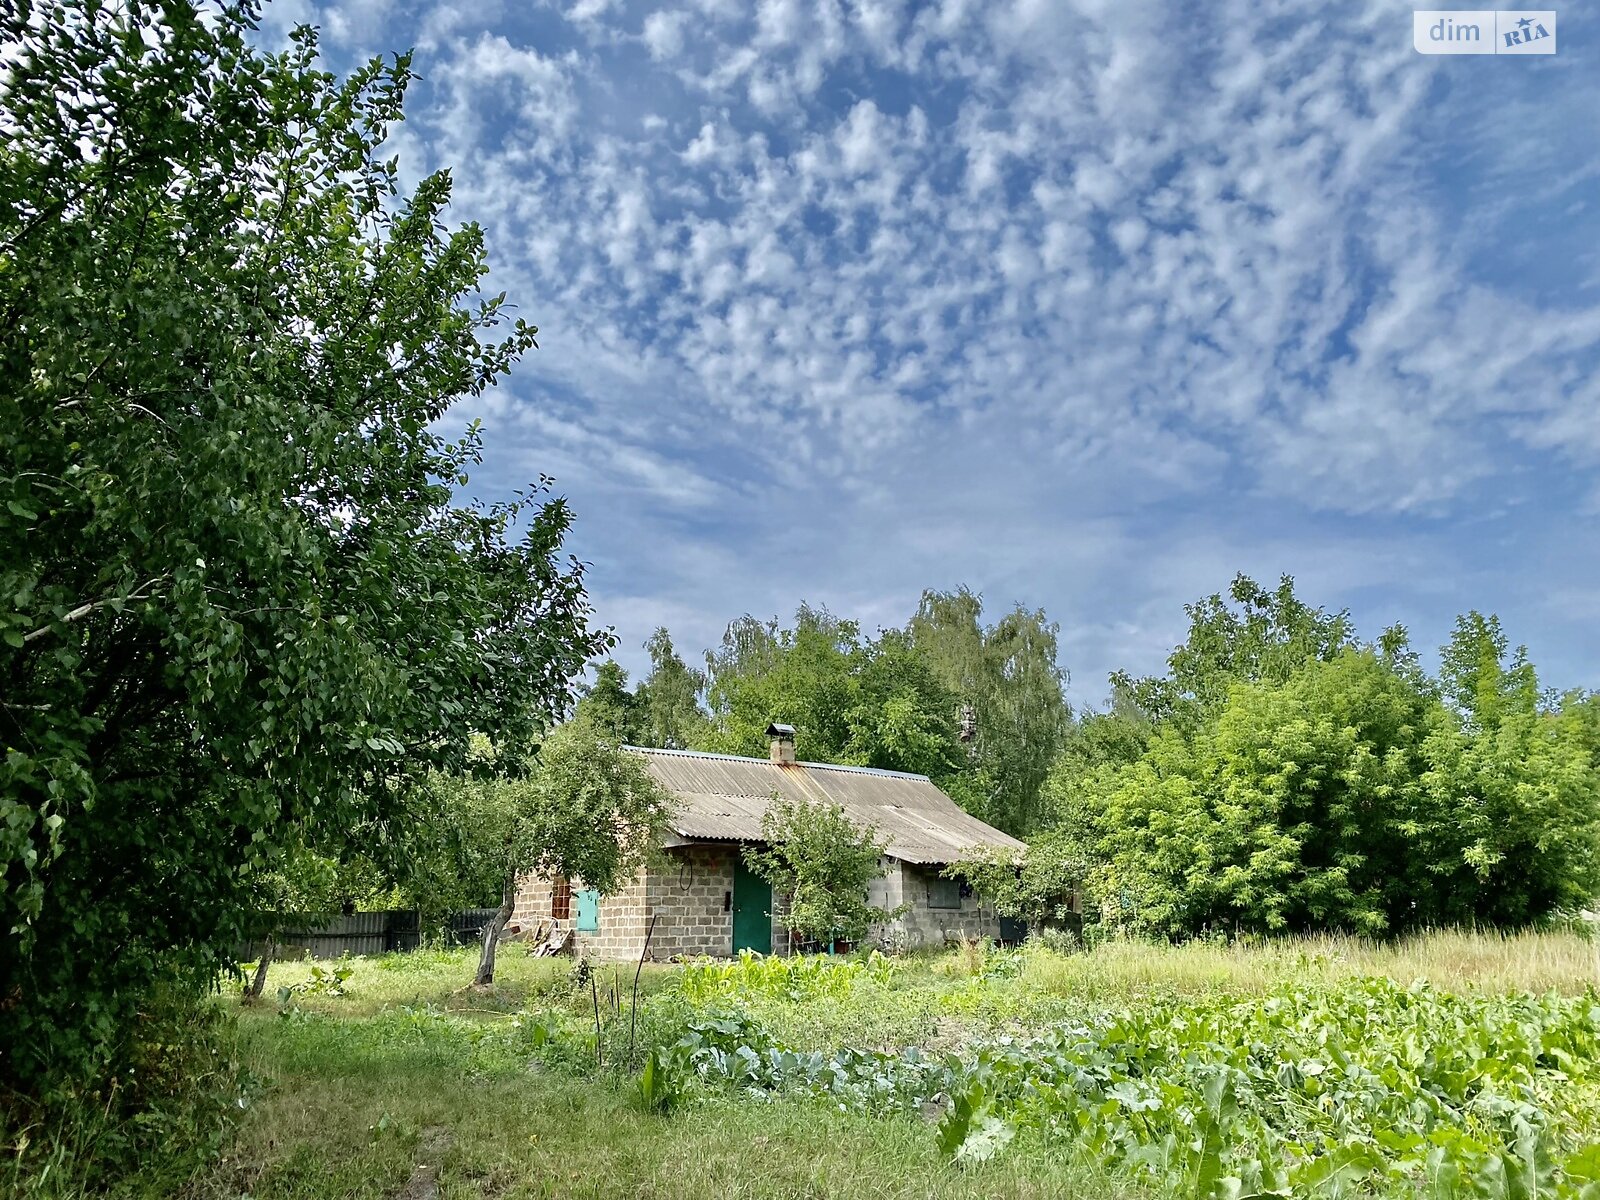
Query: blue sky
point(1087, 306)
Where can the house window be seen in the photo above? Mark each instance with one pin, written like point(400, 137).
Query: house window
point(588, 910)
point(944, 893)
point(561, 900)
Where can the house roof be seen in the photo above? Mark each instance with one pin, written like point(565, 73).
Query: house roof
point(722, 798)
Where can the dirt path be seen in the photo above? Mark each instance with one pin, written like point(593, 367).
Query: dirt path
point(424, 1181)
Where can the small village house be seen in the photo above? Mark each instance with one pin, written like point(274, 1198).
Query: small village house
point(704, 899)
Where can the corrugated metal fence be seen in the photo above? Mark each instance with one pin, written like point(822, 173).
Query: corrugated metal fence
point(368, 933)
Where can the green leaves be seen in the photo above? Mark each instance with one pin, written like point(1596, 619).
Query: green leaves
point(239, 610)
point(1346, 795)
point(1224, 1098)
point(969, 1131)
point(823, 862)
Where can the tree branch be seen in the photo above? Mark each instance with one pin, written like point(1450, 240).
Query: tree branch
point(83, 610)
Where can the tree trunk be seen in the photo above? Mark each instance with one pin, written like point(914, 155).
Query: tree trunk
point(252, 992)
point(491, 933)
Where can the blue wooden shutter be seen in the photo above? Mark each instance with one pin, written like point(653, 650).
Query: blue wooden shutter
point(588, 910)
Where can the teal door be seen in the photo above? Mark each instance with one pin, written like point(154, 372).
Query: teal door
point(588, 910)
point(752, 911)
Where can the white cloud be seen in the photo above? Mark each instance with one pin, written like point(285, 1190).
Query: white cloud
point(663, 34)
point(1056, 264)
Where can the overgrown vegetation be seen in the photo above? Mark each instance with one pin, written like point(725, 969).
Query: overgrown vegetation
point(241, 613)
point(1281, 775)
point(259, 664)
point(1324, 1066)
point(822, 862)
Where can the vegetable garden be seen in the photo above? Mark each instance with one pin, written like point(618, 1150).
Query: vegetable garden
point(1317, 1067)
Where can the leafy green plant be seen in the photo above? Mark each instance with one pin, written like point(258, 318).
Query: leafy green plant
point(823, 861)
point(323, 981)
point(969, 1130)
point(1369, 1085)
point(661, 1082)
point(795, 978)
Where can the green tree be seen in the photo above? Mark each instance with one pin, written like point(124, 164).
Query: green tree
point(302, 890)
point(239, 607)
point(903, 718)
point(669, 697)
point(1298, 807)
point(1255, 634)
point(1348, 797)
point(588, 810)
point(857, 702)
point(1038, 886)
point(1011, 707)
point(822, 861)
point(1520, 782)
point(801, 676)
point(1475, 676)
point(610, 706)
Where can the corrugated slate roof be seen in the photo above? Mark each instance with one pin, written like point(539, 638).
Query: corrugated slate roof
point(722, 798)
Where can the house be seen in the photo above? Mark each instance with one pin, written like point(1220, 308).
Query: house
point(705, 901)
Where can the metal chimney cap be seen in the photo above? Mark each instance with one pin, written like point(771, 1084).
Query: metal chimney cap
point(780, 731)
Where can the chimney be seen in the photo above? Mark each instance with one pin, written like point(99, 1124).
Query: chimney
point(782, 743)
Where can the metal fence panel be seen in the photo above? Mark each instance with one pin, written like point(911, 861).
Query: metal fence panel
point(366, 933)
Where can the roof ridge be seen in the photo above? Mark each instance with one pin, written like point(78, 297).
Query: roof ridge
point(740, 758)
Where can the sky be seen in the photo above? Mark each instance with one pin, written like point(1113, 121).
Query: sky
point(1085, 306)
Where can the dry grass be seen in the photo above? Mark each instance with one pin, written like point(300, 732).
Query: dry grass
point(441, 977)
point(1455, 960)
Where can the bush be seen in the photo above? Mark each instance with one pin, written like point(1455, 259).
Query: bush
point(1057, 941)
point(171, 1092)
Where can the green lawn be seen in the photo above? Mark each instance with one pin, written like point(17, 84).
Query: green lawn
point(410, 1085)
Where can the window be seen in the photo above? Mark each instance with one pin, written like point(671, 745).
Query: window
point(561, 900)
point(944, 893)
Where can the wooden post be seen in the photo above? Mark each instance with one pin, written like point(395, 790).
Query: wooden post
point(633, 1008)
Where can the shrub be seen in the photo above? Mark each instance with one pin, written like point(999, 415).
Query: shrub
point(172, 1092)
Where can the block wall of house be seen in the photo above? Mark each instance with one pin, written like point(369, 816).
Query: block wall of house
point(687, 890)
point(623, 917)
point(922, 924)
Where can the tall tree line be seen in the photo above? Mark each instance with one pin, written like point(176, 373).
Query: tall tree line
point(1282, 773)
point(978, 707)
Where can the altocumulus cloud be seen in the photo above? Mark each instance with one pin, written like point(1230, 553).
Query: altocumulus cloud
point(1086, 305)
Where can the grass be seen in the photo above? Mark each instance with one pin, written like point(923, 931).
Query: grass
point(1455, 960)
point(410, 1078)
point(358, 1125)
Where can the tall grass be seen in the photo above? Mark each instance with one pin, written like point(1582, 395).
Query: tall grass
point(359, 1085)
point(1455, 960)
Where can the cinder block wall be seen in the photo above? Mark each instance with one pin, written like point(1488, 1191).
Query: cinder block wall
point(928, 926)
point(687, 892)
point(623, 917)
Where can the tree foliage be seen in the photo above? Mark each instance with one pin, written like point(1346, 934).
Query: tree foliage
point(1254, 634)
point(1039, 886)
point(1006, 678)
point(854, 701)
point(669, 697)
point(1343, 790)
point(587, 810)
point(610, 707)
point(977, 709)
point(822, 861)
point(239, 608)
